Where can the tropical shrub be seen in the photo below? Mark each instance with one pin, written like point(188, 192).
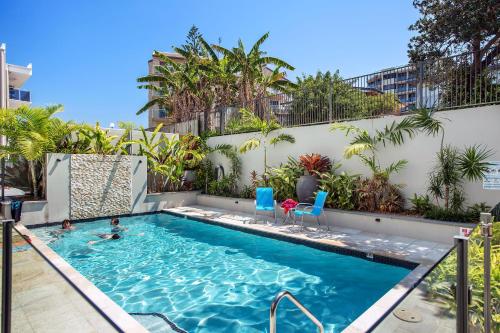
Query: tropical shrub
point(167, 159)
point(314, 92)
point(469, 215)
point(204, 175)
point(341, 188)
point(225, 187)
point(378, 194)
point(315, 163)
point(283, 179)
point(420, 204)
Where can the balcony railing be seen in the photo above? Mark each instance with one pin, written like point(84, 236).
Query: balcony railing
point(20, 95)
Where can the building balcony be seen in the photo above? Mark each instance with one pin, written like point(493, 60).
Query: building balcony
point(18, 74)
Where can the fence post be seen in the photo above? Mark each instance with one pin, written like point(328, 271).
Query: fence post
point(222, 115)
point(487, 233)
point(330, 103)
point(420, 84)
point(7, 275)
point(205, 121)
point(462, 287)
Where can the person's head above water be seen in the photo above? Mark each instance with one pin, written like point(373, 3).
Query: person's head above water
point(115, 221)
point(115, 236)
point(66, 224)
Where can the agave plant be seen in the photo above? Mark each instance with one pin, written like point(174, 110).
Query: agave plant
point(315, 163)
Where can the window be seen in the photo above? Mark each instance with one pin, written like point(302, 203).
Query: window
point(390, 87)
point(389, 76)
point(162, 113)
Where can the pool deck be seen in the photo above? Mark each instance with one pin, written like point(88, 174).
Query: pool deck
point(424, 253)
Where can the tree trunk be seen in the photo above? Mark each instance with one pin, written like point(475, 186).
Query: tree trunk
point(34, 185)
point(446, 197)
point(476, 58)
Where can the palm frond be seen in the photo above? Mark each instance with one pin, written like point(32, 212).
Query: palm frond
point(395, 167)
point(250, 144)
point(282, 138)
point(259, 42)
point(472, 162)
point(277, 62)
point(423, 119)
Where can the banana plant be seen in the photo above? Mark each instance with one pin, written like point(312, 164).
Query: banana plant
point(263, 137)
point(166, 158)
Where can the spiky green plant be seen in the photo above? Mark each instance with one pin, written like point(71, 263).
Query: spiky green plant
point(263, 137)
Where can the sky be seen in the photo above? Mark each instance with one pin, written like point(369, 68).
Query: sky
point(86, 55)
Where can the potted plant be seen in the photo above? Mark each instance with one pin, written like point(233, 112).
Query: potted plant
point(308, 183)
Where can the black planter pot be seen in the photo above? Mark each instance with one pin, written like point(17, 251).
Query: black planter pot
point(306, 186)
point(189, 176)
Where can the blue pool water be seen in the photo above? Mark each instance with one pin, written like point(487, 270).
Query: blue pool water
point(208, 278)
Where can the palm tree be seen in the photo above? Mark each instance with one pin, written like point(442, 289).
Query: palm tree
point(249, 67)
point(365, 146)
point(31, 133)
point(262, 138)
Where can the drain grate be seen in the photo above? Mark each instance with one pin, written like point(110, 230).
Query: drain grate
point(408, 315)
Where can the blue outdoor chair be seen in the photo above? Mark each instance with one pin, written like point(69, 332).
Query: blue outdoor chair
point(265, 200)
point(315, 209)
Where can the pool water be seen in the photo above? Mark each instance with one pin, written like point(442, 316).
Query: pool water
point(207, 278)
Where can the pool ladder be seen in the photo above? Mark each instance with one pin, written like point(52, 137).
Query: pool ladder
point(274, 308)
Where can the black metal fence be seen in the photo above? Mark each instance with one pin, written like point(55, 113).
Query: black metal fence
point(465, 80)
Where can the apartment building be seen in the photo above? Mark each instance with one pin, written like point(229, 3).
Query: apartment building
point(157, 115)
point(12, 78)
point(400, 81)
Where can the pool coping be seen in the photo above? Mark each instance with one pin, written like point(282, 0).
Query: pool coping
point(372, 316)
point(111, 311)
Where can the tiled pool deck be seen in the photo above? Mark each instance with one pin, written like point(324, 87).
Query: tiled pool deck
point(424, 253)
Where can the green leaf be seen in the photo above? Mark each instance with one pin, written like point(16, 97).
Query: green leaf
point(472, 164)
point(250, 144)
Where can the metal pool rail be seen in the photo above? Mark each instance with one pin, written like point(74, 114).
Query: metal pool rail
point(274, 308)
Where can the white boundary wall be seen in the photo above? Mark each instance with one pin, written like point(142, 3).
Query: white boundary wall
point(462, 127)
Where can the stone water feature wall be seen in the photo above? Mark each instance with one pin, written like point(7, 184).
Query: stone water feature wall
point(100, 185)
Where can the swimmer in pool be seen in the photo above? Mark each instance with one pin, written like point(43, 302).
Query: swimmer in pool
point(66, 226)
point(105, 237)
point(115, 226)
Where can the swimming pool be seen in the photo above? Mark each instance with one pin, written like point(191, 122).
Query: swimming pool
point(208, 278)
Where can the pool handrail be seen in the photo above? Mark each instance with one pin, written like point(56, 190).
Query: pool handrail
point(274, 308)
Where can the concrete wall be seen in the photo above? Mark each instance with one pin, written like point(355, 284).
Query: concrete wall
point(462, 127)
point(404, 226)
